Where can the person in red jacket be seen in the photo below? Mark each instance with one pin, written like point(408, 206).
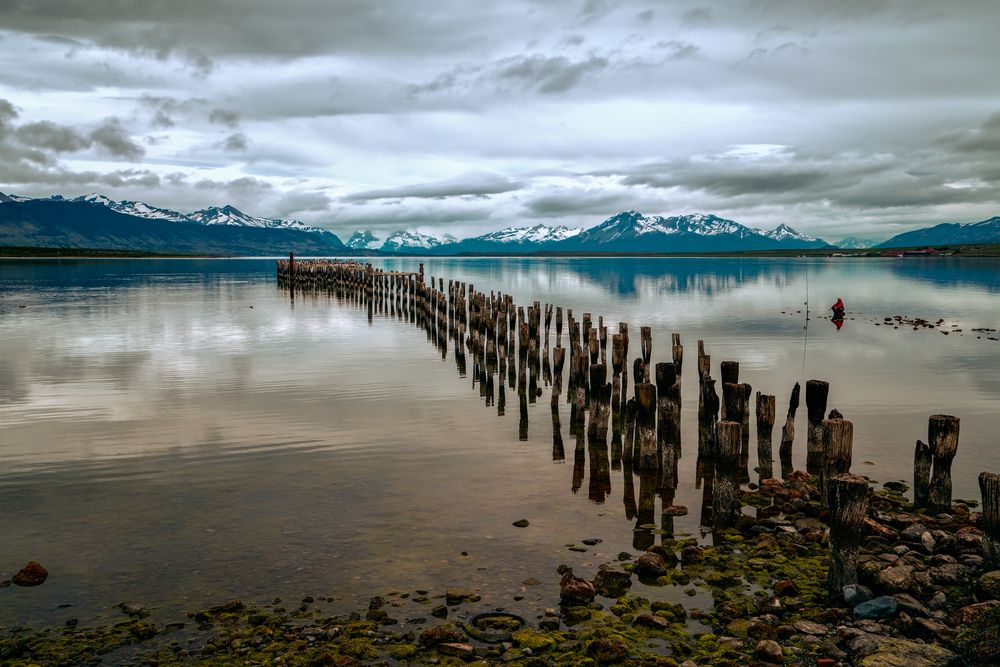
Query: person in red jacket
point(838, 313)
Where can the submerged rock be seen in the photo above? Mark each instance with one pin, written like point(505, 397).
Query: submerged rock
point(611, 582)
point(651, 565)
point(32, 574)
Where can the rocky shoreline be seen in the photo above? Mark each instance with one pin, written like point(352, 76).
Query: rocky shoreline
point(926, 596)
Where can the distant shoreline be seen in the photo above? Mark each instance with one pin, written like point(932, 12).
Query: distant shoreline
point(977, 250)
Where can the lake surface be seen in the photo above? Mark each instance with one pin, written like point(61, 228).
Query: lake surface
point(181, 432)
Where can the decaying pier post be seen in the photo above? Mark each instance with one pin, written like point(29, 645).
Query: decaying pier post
point(848, 501)
point(838, 445)
point(765, 429)
point(989, 486)
point(668, 409)
point(729, 373)
point(942, 436)
point(817, 392)
point(645, 424)
point(726, 505)
point(788, 431)
point(707, 417)
point(646, 348)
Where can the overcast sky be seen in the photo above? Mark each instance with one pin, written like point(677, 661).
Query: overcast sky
point(838, 117)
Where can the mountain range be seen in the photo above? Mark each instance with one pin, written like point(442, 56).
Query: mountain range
point(629, 231)
point(97, 222)
point(949, 233)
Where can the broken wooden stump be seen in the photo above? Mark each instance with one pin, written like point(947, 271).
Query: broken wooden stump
point(726, 505)
point(848, 501)
point(817, 392)
point(942, 436)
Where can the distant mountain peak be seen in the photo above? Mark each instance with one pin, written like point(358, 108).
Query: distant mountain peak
point(403, 240)
point(363, 240)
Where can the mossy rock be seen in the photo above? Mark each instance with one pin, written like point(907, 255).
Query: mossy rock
point(980, 643)
point(402, 651)
point(535, 639)
point(358, 647)
point(608, 650)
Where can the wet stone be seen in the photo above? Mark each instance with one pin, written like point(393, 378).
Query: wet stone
point(988, 587)
point(810, 628)
point(521, 523)
point(881, 607)
point(769, 651)
point(32, 574)
point(574, 590)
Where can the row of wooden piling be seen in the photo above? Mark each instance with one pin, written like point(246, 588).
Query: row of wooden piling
point(508, 340)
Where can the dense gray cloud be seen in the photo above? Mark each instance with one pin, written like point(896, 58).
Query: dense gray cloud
point(842, 118)
point(472, 184)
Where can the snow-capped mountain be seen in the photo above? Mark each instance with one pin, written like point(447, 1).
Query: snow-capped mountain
point(136, 208)
point(512, 239)
point(230, 215)
point(364, 240)
point(537, 234)
point(404, 241)
point(856, 243)
point(631, 231)
point(12, 198)
point(784, 233)
point(949, 233)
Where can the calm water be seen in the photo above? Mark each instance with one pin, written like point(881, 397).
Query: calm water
point(180, 432)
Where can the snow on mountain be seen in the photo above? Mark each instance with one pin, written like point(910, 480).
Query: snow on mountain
point(632, 224)
point(138, 209)
point(537, 234)
point(4, 198)
point(783, 232)
point(12, 198)
point(403, 240)
point(363, 240)
point(230, 215)
point(214, 215)
point(853, 242)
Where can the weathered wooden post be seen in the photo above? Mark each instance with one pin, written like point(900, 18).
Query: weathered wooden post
point(817, 392)
point(646, 347)
point(598, 378)
point(989, 486)
point(668, 420)
point(677, 352)
point(558, 358)
point(923, 457)
point(559, 326)
point(725, 493)
point(709, 401)
point(729, 373)
point(617, 364)
point(788, 431)
point(645, 420)
point(942, 436)
point(838, 445)
point(848, 502)
point(765, 429)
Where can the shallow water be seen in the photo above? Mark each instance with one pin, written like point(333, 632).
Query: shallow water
point(181, 432)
